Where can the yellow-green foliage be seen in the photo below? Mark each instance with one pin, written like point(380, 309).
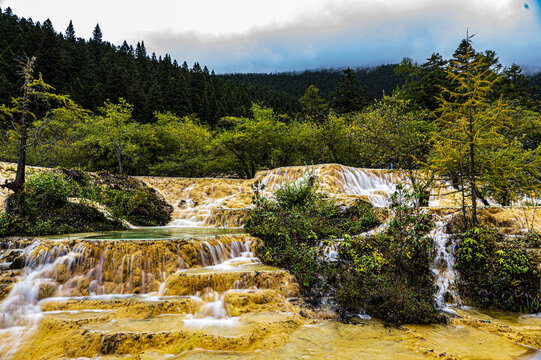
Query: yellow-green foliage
point(470, 146)
point(388, 275)
point(496, 276)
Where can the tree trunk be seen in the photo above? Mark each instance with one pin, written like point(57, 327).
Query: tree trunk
point(464, 214)
point(119, 157)
point(473, 187)
point(252, 169)
point(17, 185)
point(20, 177)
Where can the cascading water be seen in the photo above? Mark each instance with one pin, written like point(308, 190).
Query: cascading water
point(84, 269)
point(222, 202)
point(443, 263)
point(204, 201)
point(375, 186)
point(212, 313)
point(162, 297)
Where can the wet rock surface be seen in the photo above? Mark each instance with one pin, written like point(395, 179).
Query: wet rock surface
point(211, 298)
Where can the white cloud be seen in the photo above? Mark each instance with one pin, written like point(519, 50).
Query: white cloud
point(357, 34)
point(284, 34)
point(122, 18)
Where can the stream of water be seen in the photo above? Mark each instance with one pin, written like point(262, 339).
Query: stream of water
point(201, 293)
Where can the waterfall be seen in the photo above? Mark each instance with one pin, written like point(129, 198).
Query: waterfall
point(223, 202)
point(376, 186)
point(216, 202)
point(200, 200)
point(443, 264)
point(212, 313)
point(96, 268)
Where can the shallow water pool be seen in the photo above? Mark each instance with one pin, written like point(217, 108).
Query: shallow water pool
point(151, 233)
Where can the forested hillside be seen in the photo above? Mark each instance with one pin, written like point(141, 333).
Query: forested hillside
point(131, 112)
point(374, 80)
point(536, 82)
point(94, 70)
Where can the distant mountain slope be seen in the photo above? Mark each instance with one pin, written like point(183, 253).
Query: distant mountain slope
point(535, 81)
point(375, 80)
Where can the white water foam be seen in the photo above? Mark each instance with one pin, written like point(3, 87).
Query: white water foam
point(443, 263)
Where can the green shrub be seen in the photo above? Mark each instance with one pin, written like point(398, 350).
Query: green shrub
point(494, 275)
point(131, 199)
point(41, 227)
point(531, 240)
point(47, 210)
point(137, 206)
point(296, 220)
point(127, 197)
point(299, 193)
point(387, 275)
point(388, 298)
point(81, 184)
point(47, 189)
point(6, 221)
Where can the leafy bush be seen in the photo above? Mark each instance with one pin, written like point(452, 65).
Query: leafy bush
point(47, 189)
point(496, 276)
point(41, 227)
point(137, 206)
point(69, 218)
point(293, 224)
point(127, 197)
point(6, 221)
point(531, 240)
point(387, 275)
point(81, 184)
point(299, 193)
point(131, 199)
point(47, 210)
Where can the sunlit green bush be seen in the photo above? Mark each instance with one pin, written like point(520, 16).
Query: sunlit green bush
point(495, 275)
point(387, 275)
point(48, 189)
point(6, 221)
point(296, 220)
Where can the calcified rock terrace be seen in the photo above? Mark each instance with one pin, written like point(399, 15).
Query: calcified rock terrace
point(210, 297)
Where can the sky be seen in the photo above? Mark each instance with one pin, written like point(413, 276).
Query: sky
point(294, 35)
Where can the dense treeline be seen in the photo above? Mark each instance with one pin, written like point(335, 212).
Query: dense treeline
point(92, 71)
point(141, 115)
point(396, 131)
point(375, 80)
point(535, 81)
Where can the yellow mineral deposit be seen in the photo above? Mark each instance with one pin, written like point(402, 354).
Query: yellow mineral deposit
point(74, 297)
point(223, 202)
point(7, 171)
point(81, 298)
point(195, 201)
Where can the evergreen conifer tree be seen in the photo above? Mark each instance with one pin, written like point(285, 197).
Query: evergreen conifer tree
point(70, 31)
point(348, 97)
point(97, 35)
